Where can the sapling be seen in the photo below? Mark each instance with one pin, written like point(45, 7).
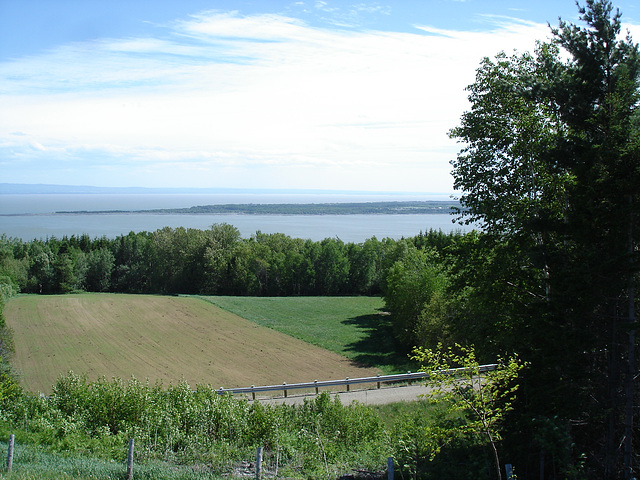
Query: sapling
point(481, 398)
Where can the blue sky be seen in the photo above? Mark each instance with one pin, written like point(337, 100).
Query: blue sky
point(345, 95)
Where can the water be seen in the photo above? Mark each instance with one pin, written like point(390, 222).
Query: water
point(349, 228)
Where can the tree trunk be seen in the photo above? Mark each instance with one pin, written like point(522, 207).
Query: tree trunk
point(631, 358)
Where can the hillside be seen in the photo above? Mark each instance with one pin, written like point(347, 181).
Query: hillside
point(160, 339)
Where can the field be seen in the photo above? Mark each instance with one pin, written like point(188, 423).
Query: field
point(162, 339)
point(355, 327)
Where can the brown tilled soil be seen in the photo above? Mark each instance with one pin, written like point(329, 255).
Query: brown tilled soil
point(158, 338)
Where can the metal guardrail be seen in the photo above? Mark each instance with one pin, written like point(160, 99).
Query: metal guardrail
point(379, 379)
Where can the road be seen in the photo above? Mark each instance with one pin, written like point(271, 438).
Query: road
point(374, 396)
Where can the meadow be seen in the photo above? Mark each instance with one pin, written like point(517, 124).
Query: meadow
point(172, 338)
point(355, 327)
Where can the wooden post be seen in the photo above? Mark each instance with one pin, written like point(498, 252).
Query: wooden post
point(409, 379)
point(130, 461)
point(378, 382)
point(390, 468)
point(258, 463)
point(284, 384)
point(12, 439)
point(348, 384)
point(253, 394)
point(316, 382)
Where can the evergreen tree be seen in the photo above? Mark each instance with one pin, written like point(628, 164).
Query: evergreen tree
point(551, 169)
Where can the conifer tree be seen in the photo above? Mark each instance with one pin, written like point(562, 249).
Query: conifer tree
point(551, 168)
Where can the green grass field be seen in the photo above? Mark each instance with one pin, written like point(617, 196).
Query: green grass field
point(356, 327)
point(32, 462)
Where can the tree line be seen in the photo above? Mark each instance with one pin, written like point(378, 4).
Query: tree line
point(215, 261)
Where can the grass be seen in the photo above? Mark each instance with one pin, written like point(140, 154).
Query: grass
point(161, 338)
point(356, 327)
point(32, 462)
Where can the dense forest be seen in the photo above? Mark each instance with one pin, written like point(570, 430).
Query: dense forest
point(550, 170)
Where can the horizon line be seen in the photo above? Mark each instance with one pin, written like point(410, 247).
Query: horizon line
point(46, 188)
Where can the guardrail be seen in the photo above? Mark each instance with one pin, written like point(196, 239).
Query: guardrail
point(379, 380)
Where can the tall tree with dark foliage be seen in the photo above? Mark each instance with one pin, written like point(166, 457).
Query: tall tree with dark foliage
point(551, 169)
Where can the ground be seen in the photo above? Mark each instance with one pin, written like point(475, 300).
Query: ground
point(158, 338)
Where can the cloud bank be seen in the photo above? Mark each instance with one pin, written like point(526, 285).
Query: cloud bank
point(226, 100)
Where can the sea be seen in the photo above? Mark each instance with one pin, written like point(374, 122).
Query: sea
point(33, 216)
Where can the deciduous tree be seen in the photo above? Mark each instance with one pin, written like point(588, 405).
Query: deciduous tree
point(480, 399)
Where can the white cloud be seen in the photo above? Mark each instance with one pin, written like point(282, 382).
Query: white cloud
point(262, 100)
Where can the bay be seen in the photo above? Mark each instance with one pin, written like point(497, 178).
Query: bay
point(31, 216)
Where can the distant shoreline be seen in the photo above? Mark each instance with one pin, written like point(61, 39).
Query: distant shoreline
point(365, 208)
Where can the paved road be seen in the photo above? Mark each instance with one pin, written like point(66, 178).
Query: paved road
point(374, 396)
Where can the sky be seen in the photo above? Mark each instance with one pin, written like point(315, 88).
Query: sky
point(265, 94)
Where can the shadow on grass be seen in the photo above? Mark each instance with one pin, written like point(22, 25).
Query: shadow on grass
point(378, 347)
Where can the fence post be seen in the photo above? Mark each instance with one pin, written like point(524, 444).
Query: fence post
point(12, 439)
point(130, 461)
point(258, 463)
point(390, 468)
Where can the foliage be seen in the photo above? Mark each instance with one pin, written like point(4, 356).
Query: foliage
point(550, 169)
point(215, 261)
point(414, 284)
point(32, 462)
point(480, 399)
point(412, 426)
point(192, 434)
point(197, 427)
point(10, 389)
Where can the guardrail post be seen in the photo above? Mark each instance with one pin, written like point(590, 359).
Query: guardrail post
point(410, 381)
point(12, 439)
point(378, 382)
point(348, 384)
point(284, 384)
point(316, 382)
point(253, 393)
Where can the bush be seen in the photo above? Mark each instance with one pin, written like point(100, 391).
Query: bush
point(322, 438)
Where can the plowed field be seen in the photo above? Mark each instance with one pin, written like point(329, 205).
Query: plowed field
point(160, 339)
